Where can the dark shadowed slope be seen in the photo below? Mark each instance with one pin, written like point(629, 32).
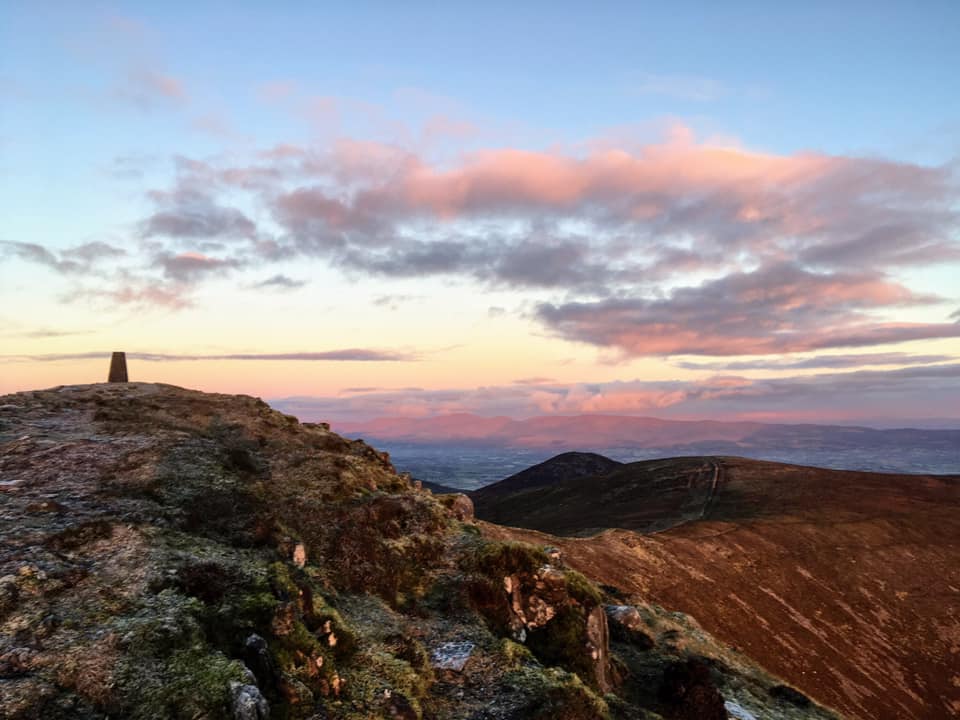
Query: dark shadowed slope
point(644, 496)
point(566, 466)
point(845, 583)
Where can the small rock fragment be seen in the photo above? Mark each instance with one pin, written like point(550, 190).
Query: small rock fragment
point(299, 555)
point(737, 711)
point(451, 656)
point(247, 703)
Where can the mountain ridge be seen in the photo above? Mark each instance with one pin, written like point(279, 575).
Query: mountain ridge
point(170, 554)
point(593, 430)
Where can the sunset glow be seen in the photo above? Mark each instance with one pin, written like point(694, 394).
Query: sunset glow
point(423, 216)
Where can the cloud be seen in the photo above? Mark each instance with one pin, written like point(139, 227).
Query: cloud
point(80, 259)
point(190, 267)
point(822, 361)
point(147, 89)
point(395, 301)
point(131, 166)
point(45, 333)
point(279, 282)
point(93, 252)
point(808, 244)
point(778, 309)
point(345, 355)
point(135, 292)
point(213, 123)
point(921, 392)
point(32, 252)
point(189, 214)
point(665, 208)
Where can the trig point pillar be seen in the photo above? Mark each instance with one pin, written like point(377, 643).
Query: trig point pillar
point(118, 368)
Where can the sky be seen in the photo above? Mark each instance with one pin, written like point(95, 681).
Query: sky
point(734, 210)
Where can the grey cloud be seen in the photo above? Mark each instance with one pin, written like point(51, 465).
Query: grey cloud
point(191, 267)
point(926, 391)
point(280, 282)
point(44, 333)
point(345, 355)
point(822, 361)
point(394, 301)
point(189, 214)
point(131, 167)
point(777, 309)
point(92, 252)
point(72, 261)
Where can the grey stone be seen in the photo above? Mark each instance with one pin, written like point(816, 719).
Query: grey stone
point(736, 710)
point(451, 655)
point(247, 703)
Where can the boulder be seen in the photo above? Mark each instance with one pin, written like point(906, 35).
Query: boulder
point(459, 506)
point(626, 625)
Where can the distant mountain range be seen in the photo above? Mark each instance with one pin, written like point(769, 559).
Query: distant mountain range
point(566, 432)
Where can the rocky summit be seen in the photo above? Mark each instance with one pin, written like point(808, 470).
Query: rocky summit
point(166, 553)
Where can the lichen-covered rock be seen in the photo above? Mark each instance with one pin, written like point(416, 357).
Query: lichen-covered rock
point(626, 625)
point(451, 655)
point(247, 703)
point(557, 613)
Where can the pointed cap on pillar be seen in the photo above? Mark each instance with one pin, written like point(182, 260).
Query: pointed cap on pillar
point(118, 368)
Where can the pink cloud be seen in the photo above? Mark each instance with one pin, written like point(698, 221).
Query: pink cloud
point(138, 294)
point(798, 248)
point(923, 392)
point(148, 89)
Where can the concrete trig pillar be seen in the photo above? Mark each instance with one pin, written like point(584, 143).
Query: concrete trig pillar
point(118, 368)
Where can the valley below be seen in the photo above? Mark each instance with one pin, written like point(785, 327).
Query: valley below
point(468, 452)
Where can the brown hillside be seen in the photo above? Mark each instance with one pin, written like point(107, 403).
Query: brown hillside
point(845, 583)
